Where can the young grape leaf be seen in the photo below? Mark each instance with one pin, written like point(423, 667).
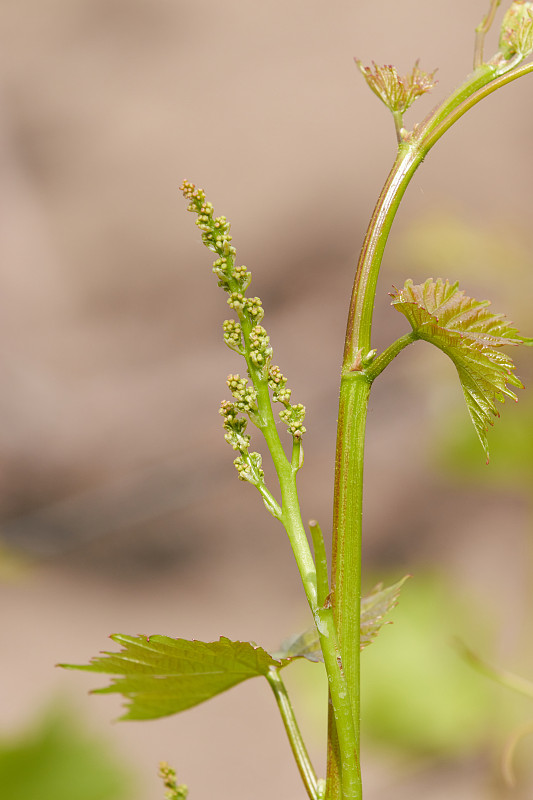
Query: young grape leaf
point(374, 607)
point(469, 334)
point(302, 645)
point(160, 676)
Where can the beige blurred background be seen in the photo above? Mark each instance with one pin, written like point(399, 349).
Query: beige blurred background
point(119, 502)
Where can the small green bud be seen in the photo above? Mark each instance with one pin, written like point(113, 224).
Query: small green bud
point(174, 791)
point(368, 359)
point(243, 393)
point(254, 308)
point(242, 275)
point(233, 335)
point(222, 224)
point(235, 426)
point(207, 209)
point(228, 411)
point(260, 350)
point(293, 417)
point(276, 379)
point(516, 35)
point(236, 385)
point(222, 268)
point(236, 301)
point(196, 196)
point(278, 383)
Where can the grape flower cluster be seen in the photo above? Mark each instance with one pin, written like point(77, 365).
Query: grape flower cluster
point(246, 336)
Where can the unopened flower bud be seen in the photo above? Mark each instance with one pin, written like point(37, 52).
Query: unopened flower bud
point(397, 92)
point(516, 35)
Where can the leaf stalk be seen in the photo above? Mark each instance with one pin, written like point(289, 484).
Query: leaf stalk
point(383, 360)
point(299, 750)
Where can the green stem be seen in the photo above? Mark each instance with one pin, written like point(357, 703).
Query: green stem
point(341, 706)
point(398, 124)
point(361, 306)
point(346, 576)
point(315, 586)
point(482, 30)
point(383, 360)
point(433, 134)
point(354, 395)
point(289, 514)
point(321, 562)
point(299, 750)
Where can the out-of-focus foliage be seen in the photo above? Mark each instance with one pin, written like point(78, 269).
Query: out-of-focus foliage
point(511, 448)
point(58, 761)
point(12, 565)
point(417, 693)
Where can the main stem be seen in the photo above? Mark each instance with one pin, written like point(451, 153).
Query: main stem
point(315, 590)
point(356, 382)
point(348, 490)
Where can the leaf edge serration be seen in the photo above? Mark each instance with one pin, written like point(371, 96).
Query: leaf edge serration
point(469, 334)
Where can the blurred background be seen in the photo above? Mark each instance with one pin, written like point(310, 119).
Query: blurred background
point(120, 508)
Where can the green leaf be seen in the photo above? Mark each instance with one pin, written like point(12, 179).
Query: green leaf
point(162, 676)
point(413, 673)
point(374, 607)
point(469, 334)
point(302, 645)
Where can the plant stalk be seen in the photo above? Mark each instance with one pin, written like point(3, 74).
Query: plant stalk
point(482, 30)
point(356, 382)
point(324, 620)
point(299, 750)
point(316, 590)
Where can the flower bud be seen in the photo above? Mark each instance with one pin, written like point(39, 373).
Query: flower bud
point(398, 93)
point(516, 35)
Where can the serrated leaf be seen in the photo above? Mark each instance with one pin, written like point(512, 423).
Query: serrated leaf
point(374, 607)
point(160, 676)
point(469, 334)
